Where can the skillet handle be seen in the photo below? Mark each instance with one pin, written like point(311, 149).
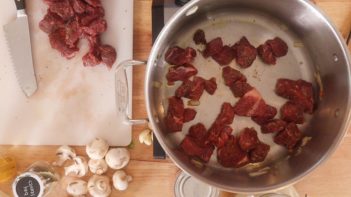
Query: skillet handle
point(123, 92)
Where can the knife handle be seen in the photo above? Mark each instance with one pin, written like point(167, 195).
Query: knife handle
point(20, 4)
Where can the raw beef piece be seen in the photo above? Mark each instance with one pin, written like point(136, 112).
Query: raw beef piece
point(92, 58)
point(90, 15)
point(250, 104)
point(218, 135)
point(244, 52)
point(189, 114)
point(94, 3)
point(63, 9)
point(78, 6)
point(259, 153)
point(191, 148)
point(291, 112)
point(268, 114)
point(199, 37)
point(230, 76)
point(58, 42)
point(226, 116)
point(191, 89)
point(108, 55)
point(266, 54)
point(225, 56)
point(231, 155)
point(248, 139)
point(240, 88)
point(211, 86)
point(179, 56)
point(199, 133)
point(96, 27)
point(180, 73)
point(273, 126)
point(279, 47)
point(213, 47)
point(51, 22)
point(174, 119)
point(299, 92)
point(72, 34)
point(289, 136)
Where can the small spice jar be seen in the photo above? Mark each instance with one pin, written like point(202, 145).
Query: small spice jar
point(37, 181)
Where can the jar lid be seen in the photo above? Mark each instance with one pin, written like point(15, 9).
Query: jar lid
point(186, 186)
point(28, 185)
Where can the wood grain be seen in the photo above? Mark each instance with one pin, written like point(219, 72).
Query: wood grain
point(156, 177)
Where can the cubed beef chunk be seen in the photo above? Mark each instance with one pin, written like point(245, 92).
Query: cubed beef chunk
point(249, 104)
point(72, 33)
point(230, 76)
point(90, 14)
point(63, 9)
point(266, 54)
point(58, 42)
point(51, 22)
point(189, 114)
point(213, 47)
point(180, 73)
point(225, 56)
point(96, 27)
point(92, 58)
point(231, 155)
point(273, 126)
point(179, 56)
point(279, 47)
point(211, 86)
point(289, 136)
point(300, 92)
point(268, 114)
point(259, 153)
point(108, 55)
point(240, 88)
point(244, 52)
point(199, 37)
point(174, 119)
point(78, 6)
point(219, 134)
point(199, 133)
point(291, 112)
point(226, 116)
point(248, 139)
point(191, 148)
point(191, 89)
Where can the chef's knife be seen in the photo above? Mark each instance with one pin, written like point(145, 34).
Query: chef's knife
point(18, 38)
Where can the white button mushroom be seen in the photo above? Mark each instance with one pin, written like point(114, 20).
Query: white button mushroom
point(97, 166)
point(120, 180)
point(79, 168)
point(97, 149)
point(117, 158)
point(146, 137)
point(63, 154)
point(77, 188)
point(99, 186)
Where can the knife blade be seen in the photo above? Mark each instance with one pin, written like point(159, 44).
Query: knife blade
point(18, 39)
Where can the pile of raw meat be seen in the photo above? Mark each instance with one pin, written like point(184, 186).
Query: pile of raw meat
point(235, 151)
point(68, 21)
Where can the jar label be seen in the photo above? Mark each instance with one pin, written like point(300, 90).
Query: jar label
point(28, 187)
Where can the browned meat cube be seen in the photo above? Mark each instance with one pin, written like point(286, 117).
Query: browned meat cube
point(199, 133)
point(244, 52)
point(174, 119)
point(213, 47)
point(189, 114)
point(179, 56)
point(230, 76)
point(266, 54)
point(273, 126)
point(231, 155)
point(211, 86)
point(218, 135)
point(225, 56)
point(259, 153)
point(199, 37)
point(191, 89)
point(279, 47)
point(240, 88)
point(180, 73)
point(226, 116)
point(291, 112)
point(248, 139)
point(192, 149)
point(289, 136)
point(268, 114)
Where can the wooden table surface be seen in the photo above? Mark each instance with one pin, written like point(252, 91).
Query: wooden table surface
point(156, 177)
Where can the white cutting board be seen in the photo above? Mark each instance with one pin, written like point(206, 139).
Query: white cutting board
point(73, 103)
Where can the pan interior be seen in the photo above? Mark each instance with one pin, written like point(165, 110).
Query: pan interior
point(305, 60)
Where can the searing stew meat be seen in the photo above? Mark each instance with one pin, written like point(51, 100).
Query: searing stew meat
point(68, 21)
point(234, 151)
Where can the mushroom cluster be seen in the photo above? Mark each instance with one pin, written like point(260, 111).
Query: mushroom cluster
point(101, 157)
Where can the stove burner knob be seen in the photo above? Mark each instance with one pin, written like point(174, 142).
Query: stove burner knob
point(181, 2)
